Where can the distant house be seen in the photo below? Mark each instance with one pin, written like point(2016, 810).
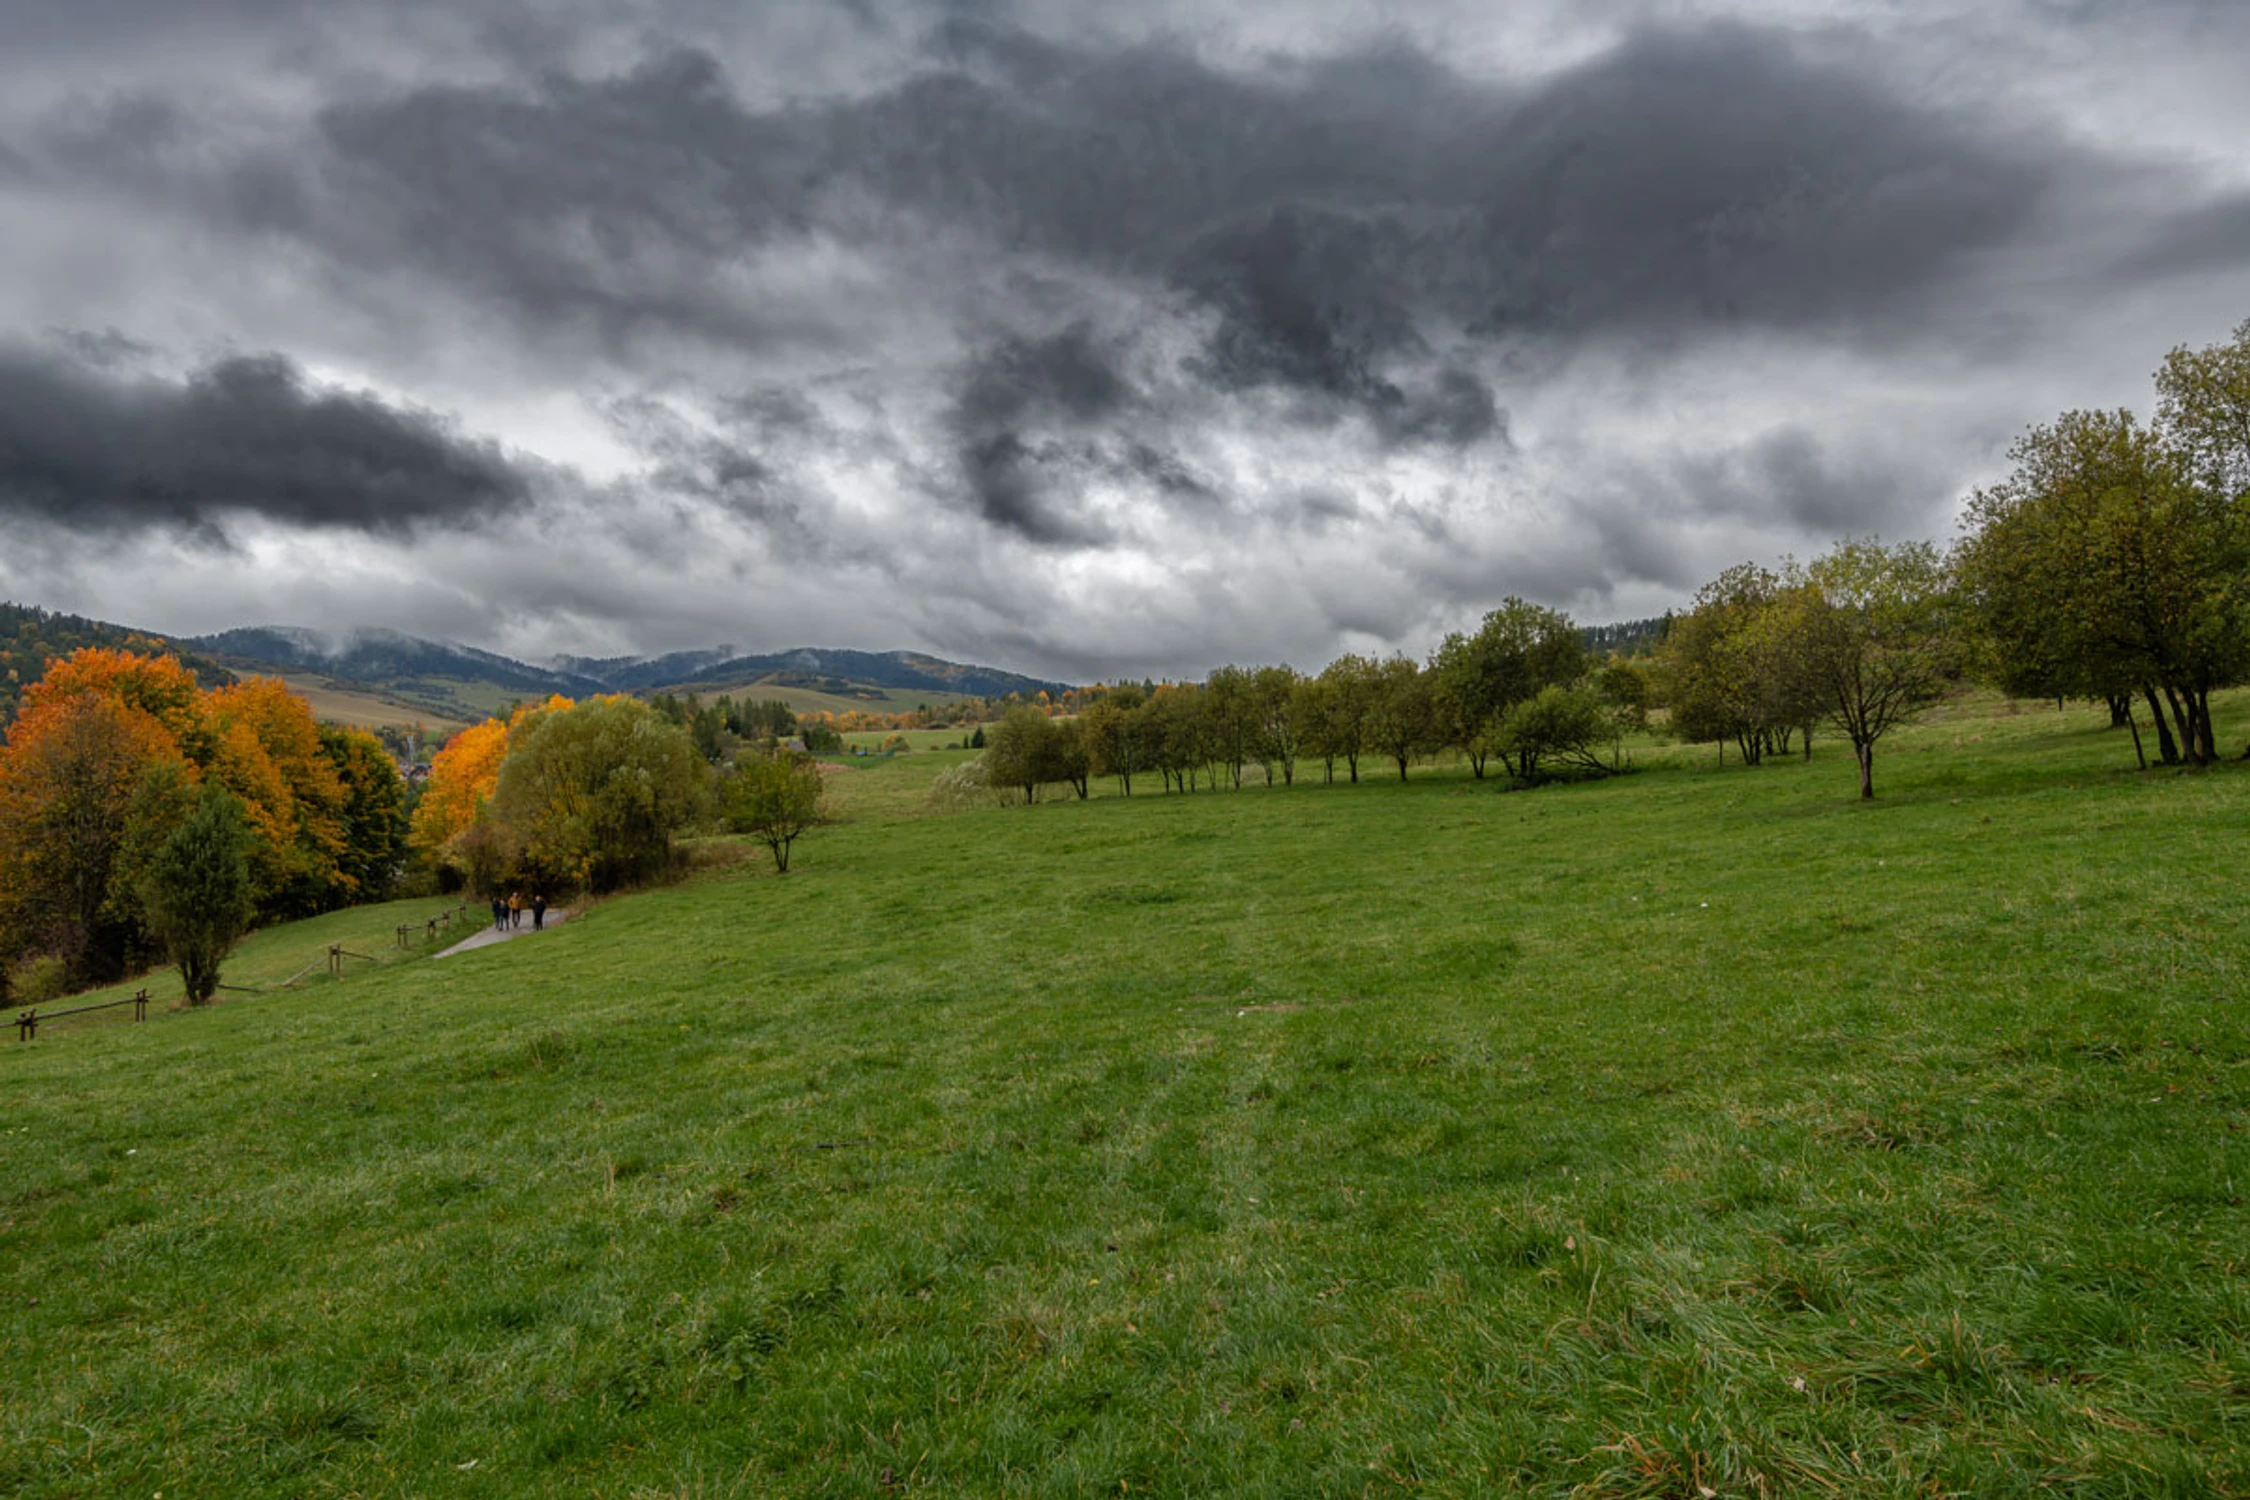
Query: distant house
point(795, 743)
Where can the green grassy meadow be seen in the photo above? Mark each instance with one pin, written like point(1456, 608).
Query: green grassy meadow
point(878, 700)
point(1694, 1133)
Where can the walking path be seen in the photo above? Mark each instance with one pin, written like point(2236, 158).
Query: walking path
point(491, 934)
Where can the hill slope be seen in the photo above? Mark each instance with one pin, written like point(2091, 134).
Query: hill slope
point(1697, 1131)
point(31, 637)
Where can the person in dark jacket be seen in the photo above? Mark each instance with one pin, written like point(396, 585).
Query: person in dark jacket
point(538, 910)
point(499, 911)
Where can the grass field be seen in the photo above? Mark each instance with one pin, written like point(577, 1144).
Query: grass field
point(918, 739)
point(811, 700)
point(360, 708)
point(1696, 1133)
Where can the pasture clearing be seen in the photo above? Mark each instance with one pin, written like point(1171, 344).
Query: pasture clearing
point(1693, 1131)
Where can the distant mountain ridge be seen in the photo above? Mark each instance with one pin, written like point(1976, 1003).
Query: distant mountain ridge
point(390, 657)
point(907, 671)
point(382, 656)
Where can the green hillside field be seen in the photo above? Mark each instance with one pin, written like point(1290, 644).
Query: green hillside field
point(804, 700)
point(1701, 1132)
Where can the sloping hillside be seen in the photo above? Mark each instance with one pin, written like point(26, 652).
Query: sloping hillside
point(31, 637)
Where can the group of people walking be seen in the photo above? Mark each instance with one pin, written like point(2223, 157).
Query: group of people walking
point(508, 910)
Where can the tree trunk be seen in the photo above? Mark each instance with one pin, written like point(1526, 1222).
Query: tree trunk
point(2204, 748)
point(1866, 771)
point(2120, 710)
point(2185, 722)
point(2166, 750)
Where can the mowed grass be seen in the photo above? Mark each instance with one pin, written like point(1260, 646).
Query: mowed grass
point(1693, 1133)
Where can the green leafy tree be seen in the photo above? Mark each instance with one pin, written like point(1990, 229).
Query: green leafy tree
point(1175, 716)
point(374, 812)
point(1233, 720)
point(1115, 731)
point(594, 793)
point(1347, 699)
point(1281, 728)
point(1875, 631)
point(775, 801)
point(1029, 750)
point(1729, 676)
point(1402, 715)
point(1475, 679)
point(2203, 405)
point(2107, 562)
point(197, 892)
point(1555, 728)
point(1626, 691)
point(1312, 704)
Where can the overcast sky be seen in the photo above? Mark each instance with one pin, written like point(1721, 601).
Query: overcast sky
point(1076, 336)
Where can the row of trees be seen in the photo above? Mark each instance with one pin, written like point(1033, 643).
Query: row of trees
point(1519, 693)
point(120, 766)
point(2113, 563)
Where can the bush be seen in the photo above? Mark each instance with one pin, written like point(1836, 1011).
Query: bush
point(1555, 732)
point(964, 787)
point(35, 981)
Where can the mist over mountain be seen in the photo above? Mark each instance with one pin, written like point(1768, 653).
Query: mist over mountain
point(381, 657)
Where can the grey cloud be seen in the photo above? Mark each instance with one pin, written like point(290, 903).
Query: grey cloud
point(1328, 214)
point(1018, 480)
point(975, 287)
point(105, 348)
point(1065, 375)
point(1455, 409)
point(1790, 478)
point(246, 434)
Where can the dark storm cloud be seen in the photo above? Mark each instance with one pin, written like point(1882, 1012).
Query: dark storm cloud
point(1544, 298)
point(1011, 394)
point(246, 434)
point(1790, 478)
point(1331, 217)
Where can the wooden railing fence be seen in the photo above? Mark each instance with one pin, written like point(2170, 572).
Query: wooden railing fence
point(28, 1022)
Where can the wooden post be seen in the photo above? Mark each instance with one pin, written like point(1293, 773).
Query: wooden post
point(140, 1005)
point(27, 1025)
point(335, 960)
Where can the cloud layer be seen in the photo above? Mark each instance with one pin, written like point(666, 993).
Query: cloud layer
point(1084, 342)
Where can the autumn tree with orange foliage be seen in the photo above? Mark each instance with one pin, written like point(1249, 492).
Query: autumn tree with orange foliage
point(463, 777)
point(67, 783)
point(105, 760)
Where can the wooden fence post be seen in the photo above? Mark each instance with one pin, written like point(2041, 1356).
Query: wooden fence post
point(140, 1005)
point(27, 1025)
